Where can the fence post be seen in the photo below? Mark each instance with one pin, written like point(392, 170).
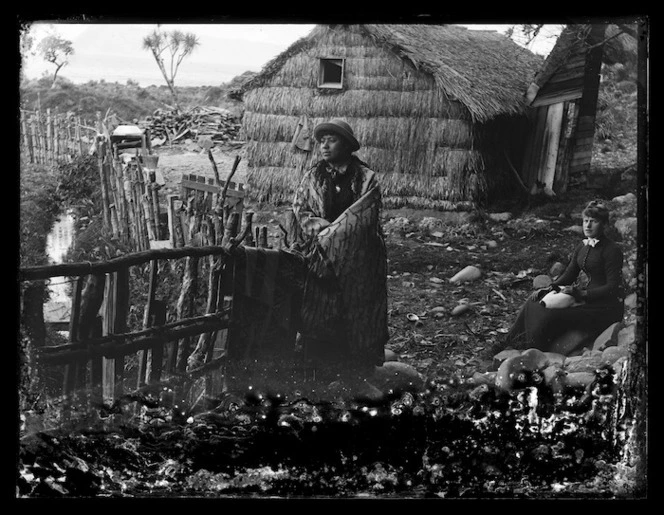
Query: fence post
point(113, 194)
point(72, 371)
point(263, 237)
point(231, 228)
point(147, 321)
point(49, 142)
point(34, 141)
point(116, 308)
point(185, 309)
point(88, 326)
point(26, 136)
point(156, 362)
point(78, 136)
point(40, 137)
point(116, 170)
point(145, 204)
point(104, 187)
point(143, 227)
point(56, 134)
point(174, 222)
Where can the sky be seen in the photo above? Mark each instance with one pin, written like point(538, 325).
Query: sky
point(114, 52)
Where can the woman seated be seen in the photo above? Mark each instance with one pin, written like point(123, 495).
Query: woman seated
point(597, 298)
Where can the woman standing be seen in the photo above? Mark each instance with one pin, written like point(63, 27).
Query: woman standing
point(598, 302)
point(336, 210)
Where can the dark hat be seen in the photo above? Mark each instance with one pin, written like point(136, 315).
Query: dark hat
point(338, 127)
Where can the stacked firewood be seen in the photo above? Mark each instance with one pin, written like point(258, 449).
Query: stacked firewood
point(173, 125)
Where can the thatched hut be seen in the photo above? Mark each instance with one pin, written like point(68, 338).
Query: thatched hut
point(438, 110)
point(563, 100)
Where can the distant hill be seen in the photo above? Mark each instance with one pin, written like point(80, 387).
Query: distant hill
point(128, 101)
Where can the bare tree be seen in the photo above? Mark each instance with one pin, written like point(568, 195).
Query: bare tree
point(56, 50)
point(176, 45)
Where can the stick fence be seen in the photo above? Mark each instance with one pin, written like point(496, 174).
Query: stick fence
point(51, 138)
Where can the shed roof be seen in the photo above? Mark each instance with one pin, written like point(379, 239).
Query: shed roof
point(484, 70)
point(573, 42)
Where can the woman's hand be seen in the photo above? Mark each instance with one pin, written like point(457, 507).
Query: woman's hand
point(569, 290)
point(538, 294)
point(312, 225)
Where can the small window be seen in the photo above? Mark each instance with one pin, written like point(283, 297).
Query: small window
point(331, 73)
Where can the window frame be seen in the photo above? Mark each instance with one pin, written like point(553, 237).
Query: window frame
point(321, 69)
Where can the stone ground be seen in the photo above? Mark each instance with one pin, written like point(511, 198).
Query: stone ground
point(439, 328)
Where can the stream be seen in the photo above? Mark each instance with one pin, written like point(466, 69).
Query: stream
point(58, 308)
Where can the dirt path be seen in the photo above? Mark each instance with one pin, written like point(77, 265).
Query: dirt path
point(190, 159)
point(424, 252)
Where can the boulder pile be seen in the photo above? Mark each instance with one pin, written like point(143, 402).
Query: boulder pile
point(513, 370)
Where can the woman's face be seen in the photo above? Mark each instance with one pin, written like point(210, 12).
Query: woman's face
point(334, 149)
point(592, 227)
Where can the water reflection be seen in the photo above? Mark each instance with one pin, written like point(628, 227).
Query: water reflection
point(58, 242)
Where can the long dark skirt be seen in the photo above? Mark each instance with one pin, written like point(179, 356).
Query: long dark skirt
point(539, 327)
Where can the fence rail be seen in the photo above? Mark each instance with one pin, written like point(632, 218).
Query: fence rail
point(50, 137)
point(93, 362)
point(204, 229)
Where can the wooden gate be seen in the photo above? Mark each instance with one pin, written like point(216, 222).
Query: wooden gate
point(95, 363)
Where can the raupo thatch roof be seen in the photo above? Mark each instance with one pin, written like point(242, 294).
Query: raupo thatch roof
point(484, 70)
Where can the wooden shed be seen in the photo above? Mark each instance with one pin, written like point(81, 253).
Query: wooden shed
point(437, 108)
point(563, 99)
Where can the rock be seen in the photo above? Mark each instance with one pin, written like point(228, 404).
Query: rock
point(534, 359)
point(468, 274)
point(504, 379)
point(627, 227)
point(492, 244)
point(488, 378)
point(397, 376)
point(460, 309)
point(438, 309)
point(630, 301)
point(585, 363)
point(627, 336)
point(357, 390)
point(553, 358)
point(554, 378)
point(578, 229)
point(619, 364)
point(625, 199)
point(578, 379)
point(569, 342)
point(428, 223)
point(479, 392)
point(608, 338)
point(519, 372)
point(399, 225)
point(503, 355)
point(500, 217)
point(390, 355)
point(556, 269)
point(613, 354)
point(541, 281)
point(368, 392)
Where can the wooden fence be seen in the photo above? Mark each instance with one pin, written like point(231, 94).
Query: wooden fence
point(50, 137)
point(93, 364)
point(130, 198)
point(134, 212)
